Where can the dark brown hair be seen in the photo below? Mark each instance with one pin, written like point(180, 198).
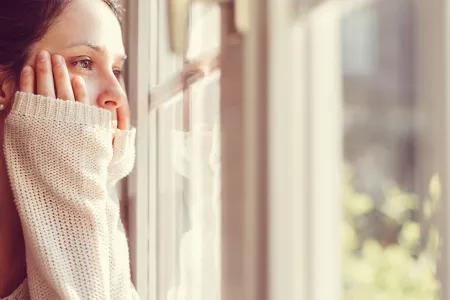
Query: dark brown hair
point(25, 22)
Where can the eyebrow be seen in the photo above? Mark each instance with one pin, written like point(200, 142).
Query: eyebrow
point(95, 47)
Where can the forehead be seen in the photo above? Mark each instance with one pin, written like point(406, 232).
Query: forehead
point(88, 21)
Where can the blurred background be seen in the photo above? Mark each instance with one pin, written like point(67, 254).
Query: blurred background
point(289, 149)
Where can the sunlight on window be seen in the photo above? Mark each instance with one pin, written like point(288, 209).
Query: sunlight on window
point(390, 239)
point(188, 169)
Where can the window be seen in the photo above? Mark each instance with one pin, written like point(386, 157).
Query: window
point(177, 221)
point(360, 146)
point(331, 183)
point(392, 190)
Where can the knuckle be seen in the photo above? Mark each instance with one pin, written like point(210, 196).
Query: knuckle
point(59, 70)
point(43, 68)
point(60, 75)
point(25, 81)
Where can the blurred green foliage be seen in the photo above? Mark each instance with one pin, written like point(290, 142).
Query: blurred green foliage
point(403, 269)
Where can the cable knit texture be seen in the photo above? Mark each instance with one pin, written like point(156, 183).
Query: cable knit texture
point(63, 170)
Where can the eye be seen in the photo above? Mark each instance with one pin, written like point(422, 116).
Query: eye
point(118, 73)
point(83, 64)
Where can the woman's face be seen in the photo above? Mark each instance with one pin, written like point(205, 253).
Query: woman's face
point(88, 35)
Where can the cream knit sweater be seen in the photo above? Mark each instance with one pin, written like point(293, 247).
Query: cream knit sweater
point(63, 169)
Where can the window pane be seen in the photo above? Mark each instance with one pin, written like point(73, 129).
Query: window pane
point(204, 37)
point(392, 189)
point(188, 174)
point(168, 64)
point(205, 29)
point(188, 198)
point(171, 196)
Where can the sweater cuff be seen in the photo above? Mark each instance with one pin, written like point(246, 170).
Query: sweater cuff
point(124, 139)
point(123, 159)
point(41, 107)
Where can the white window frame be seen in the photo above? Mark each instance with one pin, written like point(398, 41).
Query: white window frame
point(141, 234)
point(305, 151)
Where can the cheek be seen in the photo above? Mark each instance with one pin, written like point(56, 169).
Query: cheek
point(93, 90)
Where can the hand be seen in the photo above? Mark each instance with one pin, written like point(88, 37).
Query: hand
point(51, 79)
point(123, 116)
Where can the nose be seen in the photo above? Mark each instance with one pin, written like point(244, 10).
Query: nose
point(112, 97)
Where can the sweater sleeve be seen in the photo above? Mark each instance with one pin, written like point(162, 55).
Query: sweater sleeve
point(58, 154)
point(120, 166)
point(123, 155)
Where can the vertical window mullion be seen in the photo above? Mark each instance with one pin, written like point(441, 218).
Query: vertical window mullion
point(325, 151)
point(138, 95)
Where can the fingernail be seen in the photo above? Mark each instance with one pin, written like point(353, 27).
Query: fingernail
point(43, 55)
point(57, 60)
point(26, 71)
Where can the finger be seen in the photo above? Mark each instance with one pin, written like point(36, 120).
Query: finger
point(123, 116)
point(114, 119)
point(27, 80)
point(79, 90)
point(44, 75)
point(61, 77)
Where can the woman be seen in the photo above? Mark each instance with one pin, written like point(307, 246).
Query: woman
point(61, 99)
